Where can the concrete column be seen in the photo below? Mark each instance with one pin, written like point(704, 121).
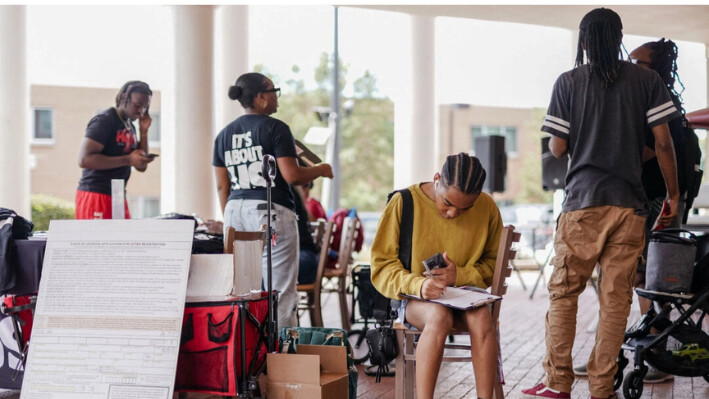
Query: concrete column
point(706, 143)
point(194, 188)
point(14, 111)
point(706, 54)
point(231, 59)
point(415, 137)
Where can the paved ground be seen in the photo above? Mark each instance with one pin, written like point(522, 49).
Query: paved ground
point(522, 327)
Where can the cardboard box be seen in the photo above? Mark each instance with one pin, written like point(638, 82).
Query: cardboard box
point(316, 371)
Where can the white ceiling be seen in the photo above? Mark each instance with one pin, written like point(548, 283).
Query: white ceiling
point(686, 22)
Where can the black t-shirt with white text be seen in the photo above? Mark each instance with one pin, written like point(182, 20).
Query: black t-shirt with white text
point(118, 139)
point(240, 148)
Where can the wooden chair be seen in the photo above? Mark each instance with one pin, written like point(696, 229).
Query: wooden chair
point(234, 235)
point(310, 293)
point(247, 247)
point(336, 279)
point(406, 337)
point(318, 229)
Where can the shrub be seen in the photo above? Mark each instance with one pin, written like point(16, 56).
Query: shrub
point(46, 208)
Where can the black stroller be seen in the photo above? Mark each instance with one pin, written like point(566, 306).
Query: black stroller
point(691, 359)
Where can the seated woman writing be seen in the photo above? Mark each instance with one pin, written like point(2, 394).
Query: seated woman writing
point(454, 217)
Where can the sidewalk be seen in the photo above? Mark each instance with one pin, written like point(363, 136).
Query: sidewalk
point(522, 329)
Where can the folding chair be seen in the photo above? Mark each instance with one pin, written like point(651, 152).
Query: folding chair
point(350, 231)
point(310, 293)
point(406, 337)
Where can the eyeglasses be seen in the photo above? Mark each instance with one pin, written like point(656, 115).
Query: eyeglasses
point(276, 90)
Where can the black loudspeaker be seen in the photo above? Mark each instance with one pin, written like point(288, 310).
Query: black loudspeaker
point(553, 168)
point(490, 150)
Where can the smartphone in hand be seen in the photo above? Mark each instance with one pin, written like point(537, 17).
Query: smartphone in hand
point(434, 262)
point(151, 156)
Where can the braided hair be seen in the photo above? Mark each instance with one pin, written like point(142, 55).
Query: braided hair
point(664, 62)
point(130, 87)
point(247, 87)
point(601, 35)
point(463, 172)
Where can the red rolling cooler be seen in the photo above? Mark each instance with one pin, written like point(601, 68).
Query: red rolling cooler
point(223, 345)
point(20, 308)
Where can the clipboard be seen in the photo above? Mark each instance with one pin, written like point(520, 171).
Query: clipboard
point(462, 298)
point(307, 157)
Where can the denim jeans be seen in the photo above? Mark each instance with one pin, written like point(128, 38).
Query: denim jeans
point(243, 215)
point(308, 267)
point(613, 237)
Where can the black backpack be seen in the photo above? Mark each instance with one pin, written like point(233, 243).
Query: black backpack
point(689, 165)
point(381, 340)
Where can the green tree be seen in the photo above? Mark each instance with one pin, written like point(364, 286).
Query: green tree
point(46, 208)
point(366, 86)
point(324, 74)
point(366, 154)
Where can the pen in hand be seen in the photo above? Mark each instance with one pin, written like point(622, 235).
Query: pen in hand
point(432, 288)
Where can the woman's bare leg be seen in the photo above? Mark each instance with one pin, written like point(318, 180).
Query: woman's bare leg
point(435, 322)
point(483, 349)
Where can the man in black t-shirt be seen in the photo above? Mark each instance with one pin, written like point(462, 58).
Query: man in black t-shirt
point(110, 148)
point(598, 113)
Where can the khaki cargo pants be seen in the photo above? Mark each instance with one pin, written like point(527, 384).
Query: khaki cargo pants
point(613, 237)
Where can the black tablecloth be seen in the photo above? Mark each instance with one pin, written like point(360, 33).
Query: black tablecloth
point(30, 256)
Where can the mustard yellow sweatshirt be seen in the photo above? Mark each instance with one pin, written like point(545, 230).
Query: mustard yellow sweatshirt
point(470, 239)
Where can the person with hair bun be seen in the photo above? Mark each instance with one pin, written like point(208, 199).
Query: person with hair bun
point(111, 147)
point(454, 217)
point(238, 156)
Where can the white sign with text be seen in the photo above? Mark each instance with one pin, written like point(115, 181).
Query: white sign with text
point(109, 310)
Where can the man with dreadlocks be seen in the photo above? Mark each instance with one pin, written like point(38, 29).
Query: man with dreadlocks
point(661, 56)
point(110, 148)
point(451, 215)
point(598, 113)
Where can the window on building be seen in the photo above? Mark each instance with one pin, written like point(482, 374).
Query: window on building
point(142, 207)
point(508, 132)
point(154, 130)
point(43, 125)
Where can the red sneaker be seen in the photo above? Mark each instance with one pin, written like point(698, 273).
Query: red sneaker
point(613, 395)
point(543, 391)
